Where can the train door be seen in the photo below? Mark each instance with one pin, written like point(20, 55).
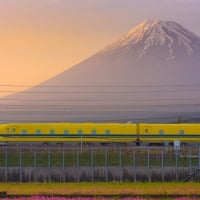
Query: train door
point(147, 130)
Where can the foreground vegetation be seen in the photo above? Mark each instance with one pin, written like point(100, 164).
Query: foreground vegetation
point(92, 198)
point(102, 189)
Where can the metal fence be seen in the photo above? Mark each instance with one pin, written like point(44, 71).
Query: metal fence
point(89, 163)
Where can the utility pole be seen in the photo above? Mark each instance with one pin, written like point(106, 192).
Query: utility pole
point(179, 119)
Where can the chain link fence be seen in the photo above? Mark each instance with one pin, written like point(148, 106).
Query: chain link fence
point(103, 163)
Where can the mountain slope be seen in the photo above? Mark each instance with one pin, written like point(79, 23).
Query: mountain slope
point(151, 71)
point(153, 47)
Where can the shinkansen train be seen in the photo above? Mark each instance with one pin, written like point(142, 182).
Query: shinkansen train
point(99, 132)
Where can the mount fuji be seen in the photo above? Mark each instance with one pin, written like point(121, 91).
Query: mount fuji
point(150, 73)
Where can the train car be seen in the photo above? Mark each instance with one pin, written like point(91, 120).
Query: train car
point(68, 132)
point(100, 132)
point(183, 132)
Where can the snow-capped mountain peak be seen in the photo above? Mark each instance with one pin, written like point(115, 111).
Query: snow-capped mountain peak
point(152, 71)
point(157, 34)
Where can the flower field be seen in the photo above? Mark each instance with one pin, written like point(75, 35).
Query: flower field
point(100, 191)
point(92, 198)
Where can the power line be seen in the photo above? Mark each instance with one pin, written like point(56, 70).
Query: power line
point(101, 86)
point(94, 107)
point(172, 119)
point(100, 92)
point(101, 100)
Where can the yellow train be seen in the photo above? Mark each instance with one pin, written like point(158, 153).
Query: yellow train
point(99, 132)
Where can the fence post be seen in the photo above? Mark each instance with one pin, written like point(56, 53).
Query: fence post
point(148, 164)
point(20, 157)
point(106, 164)
point(176, 152)
point(120, 163)
point(77, 164)
point(34, 163)
point(134, 164)
point(6, 163)
point(49, 164)
point(162, 164)
point(63, 163)
point(92, 164)
point(20, 164)
point(49, 158)
point(190, 159)
point(81, 144)
point(199, 157)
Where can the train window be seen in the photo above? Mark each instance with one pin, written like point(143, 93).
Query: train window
point(52, 132)
point(94, 132)
point(161, 132)
point(38, 132)
point(14, 129)
point(24, 132)
point(181, 132)
point(66, 132)
point(80, 132)
point(146, 130)
point(107, 132)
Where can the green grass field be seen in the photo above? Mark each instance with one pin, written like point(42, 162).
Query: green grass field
point(102, 189)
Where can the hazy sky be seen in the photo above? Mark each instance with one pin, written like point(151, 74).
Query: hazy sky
point(40, 38)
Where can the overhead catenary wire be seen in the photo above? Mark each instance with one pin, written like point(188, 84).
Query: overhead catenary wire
point(102, 86)
point(101, 92)
point(188, 91)
point(99, 100)
point(95, 108)
point(101, 105)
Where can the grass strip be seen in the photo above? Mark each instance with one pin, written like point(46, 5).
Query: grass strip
point(101, 189)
